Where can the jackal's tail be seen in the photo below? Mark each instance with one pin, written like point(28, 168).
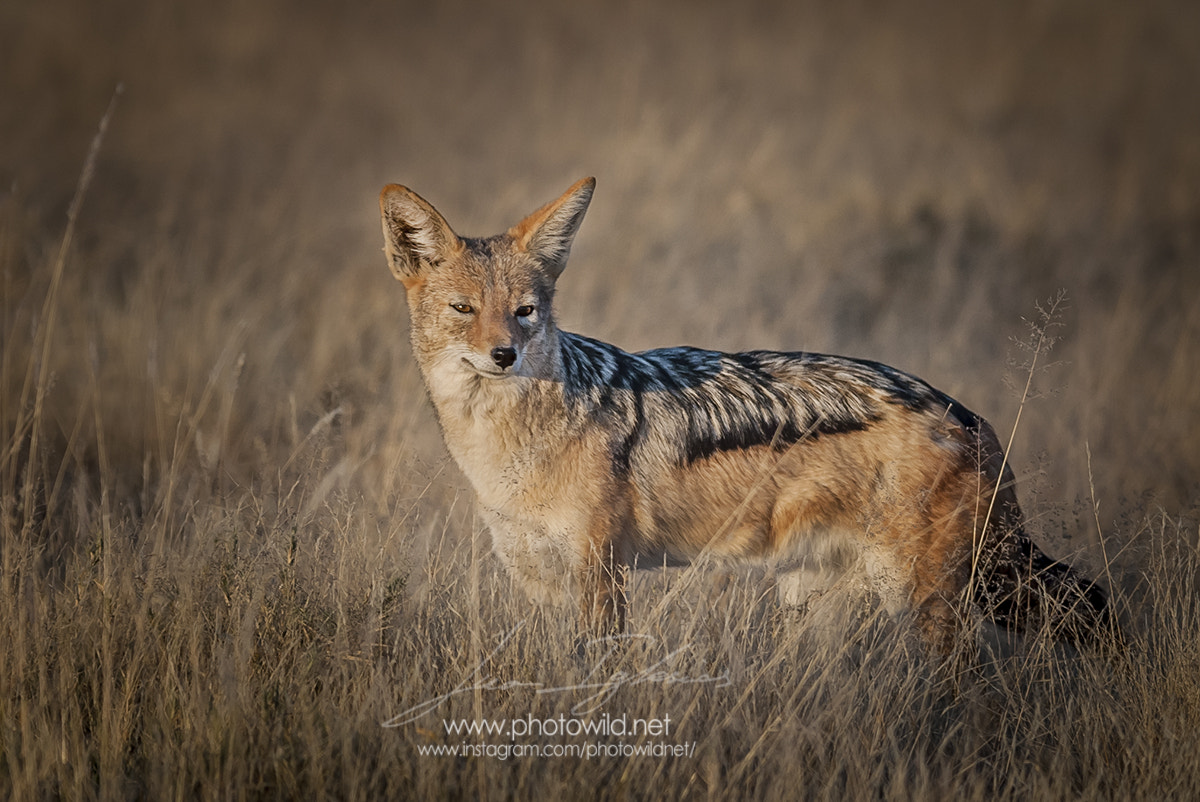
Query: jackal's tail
point(1026, 590)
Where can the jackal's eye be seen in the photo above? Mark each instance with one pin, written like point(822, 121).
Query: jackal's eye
point(524, 310)
point(466, 309)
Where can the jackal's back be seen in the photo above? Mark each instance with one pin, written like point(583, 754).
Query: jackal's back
point(691, 403)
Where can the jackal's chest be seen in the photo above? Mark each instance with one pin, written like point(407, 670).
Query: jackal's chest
point(512, 466)
point(527, 455)
point(504, 479)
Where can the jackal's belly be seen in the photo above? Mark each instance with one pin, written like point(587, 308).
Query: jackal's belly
point(678, 528)
point(744, 504)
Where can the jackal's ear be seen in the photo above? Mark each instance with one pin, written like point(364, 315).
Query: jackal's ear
point(547, 233)
point(414, 233)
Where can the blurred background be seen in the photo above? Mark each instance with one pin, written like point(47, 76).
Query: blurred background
point(910, 183)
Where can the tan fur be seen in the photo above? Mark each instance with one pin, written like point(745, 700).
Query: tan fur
point(909, 491)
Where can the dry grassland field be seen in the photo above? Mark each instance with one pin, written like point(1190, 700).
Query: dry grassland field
point(236, 560)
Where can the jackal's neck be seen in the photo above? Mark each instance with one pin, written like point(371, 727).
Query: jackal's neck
point(493, 425)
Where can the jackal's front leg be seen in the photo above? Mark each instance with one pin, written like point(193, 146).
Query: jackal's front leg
point(605, 568)
point(602, 592)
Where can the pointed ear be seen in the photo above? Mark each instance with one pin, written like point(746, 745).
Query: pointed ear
point(547, 233)
point(414, 234)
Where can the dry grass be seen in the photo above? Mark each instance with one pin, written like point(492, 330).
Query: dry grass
point(231, 544)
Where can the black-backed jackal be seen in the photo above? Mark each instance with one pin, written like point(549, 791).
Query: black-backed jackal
point(589, 460)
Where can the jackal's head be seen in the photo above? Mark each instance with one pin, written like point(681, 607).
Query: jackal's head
point(481, 306)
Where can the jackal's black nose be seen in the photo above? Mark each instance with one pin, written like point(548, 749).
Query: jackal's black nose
point(504, 356)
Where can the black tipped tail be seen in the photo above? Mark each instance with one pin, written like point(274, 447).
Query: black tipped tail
point(1027, 591)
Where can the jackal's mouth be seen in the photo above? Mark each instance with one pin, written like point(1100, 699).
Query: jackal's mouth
point(488, 373)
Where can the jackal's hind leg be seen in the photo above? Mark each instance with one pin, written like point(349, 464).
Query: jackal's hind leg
point(801, 588)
